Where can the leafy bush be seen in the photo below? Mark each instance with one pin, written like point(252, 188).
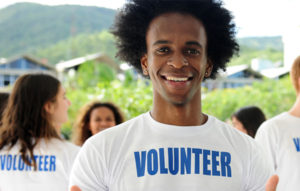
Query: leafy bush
point(272, 96)
point(135, 97)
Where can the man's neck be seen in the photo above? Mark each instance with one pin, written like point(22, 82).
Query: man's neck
point(295, 110)
point(189, 114)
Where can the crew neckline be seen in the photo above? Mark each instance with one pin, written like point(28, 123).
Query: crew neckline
point(175, 130)
point(291, 116)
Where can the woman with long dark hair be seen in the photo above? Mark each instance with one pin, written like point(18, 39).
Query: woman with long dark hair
point(32, 154)
point(95, 117)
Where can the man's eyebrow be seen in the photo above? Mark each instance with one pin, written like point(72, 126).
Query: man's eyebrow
point(187, 43)
point(161, 42)
point(194, 43)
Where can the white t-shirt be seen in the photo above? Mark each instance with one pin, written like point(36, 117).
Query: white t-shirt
point(54, 160)
point(280, 137)
point(145, 155)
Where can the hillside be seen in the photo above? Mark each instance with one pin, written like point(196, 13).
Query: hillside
point(58, 33)
point(262, 43)
point(27, 27)
point(78, 46)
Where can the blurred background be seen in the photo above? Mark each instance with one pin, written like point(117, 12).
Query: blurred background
point(71, 40)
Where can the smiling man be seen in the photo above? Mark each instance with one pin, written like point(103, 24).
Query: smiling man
point(175, 146)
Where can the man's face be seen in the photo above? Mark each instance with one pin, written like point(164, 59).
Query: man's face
point(176, 57)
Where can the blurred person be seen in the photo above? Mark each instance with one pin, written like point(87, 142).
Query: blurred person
point(248, 119)
point(174, 146)
point(95, 117)
point(33, 157)
point(280, 136)
point(3, 101)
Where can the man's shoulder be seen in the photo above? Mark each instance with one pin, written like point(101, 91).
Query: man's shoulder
point(276, 121)
point(235, 137)
point(118, 131)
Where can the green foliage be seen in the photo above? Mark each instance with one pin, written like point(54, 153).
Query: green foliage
point(133, 98)
point(91, 73)
point(78, 46)
point(28, 27)
point(247, 54)
point(59, 33)
point(272, 96)
point(262, 43)
point(269, 48)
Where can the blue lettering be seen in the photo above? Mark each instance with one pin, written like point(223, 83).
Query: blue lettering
point(197, 153)
point(173, 160)
point(215, 163)
point(185, 161)
point(225, 164)
point(206, 162)
point(46, 163)
point(152, 162)
point(40, 163)
point(52, 163)
point(2, 159)
point(163, 169)
point(8, 162)
point(140, 163)
point(14, 163)
point(28, 167)
point(21, 164)
point(297, 144)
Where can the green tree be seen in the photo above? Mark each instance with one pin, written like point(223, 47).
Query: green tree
point(272, 96)
point(133, 98)
point(77, 46)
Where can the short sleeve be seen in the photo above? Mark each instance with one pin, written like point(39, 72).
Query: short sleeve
point(266, 137)
point(89, 169)
point(260, 170)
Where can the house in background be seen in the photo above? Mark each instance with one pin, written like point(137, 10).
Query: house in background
point(71, 66)
point(11, 69)
point(233, 77)
point(269, 69)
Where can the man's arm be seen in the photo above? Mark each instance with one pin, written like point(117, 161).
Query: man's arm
point(270, 186)
point(75, 188)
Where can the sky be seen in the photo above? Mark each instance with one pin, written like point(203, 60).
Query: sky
point(252, 17)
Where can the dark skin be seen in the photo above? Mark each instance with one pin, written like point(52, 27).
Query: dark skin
point(176, 62)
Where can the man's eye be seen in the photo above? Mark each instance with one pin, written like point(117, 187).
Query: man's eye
point(192, 51)
point(162, 50)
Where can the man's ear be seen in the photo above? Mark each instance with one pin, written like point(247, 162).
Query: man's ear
point(144, 64)
point(298, 91)
point(208, 69)
point(49, 107)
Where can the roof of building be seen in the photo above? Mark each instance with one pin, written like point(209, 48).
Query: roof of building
point(77, 61)
point(27, 57)
point(231, 70)
point(275, 72)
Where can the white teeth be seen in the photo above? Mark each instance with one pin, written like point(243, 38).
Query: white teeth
point(176, 79)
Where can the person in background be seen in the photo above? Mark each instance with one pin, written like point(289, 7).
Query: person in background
point(3, 101)
point(33, 156)
point(280, 137)
point(248, 119)
point(95, 117)
point(174, 146)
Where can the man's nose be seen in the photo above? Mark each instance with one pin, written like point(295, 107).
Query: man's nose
point(177, 61)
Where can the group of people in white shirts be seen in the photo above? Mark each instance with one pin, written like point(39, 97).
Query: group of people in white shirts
point(174, 146)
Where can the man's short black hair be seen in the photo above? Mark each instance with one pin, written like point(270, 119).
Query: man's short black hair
point(132, 22)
